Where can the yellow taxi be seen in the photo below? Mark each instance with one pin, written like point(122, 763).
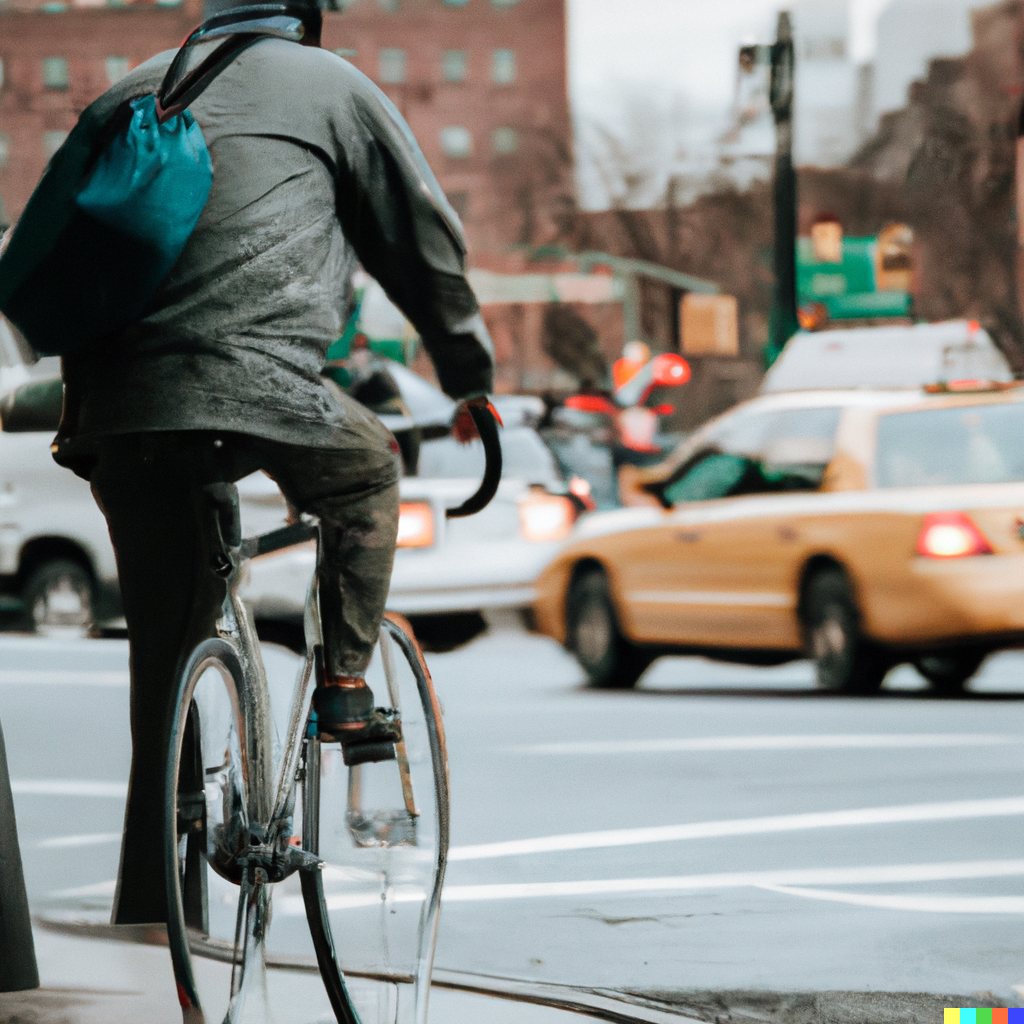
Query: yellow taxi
point(859, 528)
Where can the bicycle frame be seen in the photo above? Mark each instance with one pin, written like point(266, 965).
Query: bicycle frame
point(271, 795)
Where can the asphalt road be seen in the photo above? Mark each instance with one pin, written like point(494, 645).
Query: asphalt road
point(721, 829)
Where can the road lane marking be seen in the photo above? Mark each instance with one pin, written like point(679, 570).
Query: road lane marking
point(867, 875)
point(866, 741)
point(107, 888)
point(787, 879)
point(61, 677)
point(952, 810)
point(69, 787)
point(930, 903)
point(95, 839)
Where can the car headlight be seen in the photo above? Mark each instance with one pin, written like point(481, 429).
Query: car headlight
point(545, 516)
point(415, 525)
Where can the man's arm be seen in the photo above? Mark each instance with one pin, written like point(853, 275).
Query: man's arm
point(407, 236)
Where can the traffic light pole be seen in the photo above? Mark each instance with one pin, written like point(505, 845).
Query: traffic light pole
point(783, 323)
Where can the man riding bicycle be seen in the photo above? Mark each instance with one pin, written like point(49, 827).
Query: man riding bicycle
point(314, 170)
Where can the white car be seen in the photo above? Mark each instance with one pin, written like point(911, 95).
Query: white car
point(447, 571)
point(891, 356)
point(57, 564)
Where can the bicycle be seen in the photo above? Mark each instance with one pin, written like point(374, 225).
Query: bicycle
point(231, 803)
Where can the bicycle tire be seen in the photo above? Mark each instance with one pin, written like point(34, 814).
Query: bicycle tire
point(333, 975)
point(187, 829)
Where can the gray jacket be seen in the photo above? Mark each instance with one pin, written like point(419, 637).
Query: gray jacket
point(313, 169)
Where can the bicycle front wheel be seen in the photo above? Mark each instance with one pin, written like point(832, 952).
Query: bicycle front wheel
point(218, 903)
point(382, 833)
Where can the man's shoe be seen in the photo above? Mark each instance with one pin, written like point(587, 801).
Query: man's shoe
point(343, 705)
point(345, 713)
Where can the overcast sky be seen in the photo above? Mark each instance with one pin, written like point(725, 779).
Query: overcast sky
point(686, 47)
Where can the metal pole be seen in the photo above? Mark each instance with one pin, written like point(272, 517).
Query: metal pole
point(783, 322)
point(17, 951)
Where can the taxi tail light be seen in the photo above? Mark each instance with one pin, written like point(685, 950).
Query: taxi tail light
point(545, 517)
point(951, 535)
point(415, 525)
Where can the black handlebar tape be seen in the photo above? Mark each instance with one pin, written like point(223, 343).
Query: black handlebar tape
point(487, 427)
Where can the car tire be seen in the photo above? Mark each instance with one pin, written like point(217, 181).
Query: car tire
point(844, 660)
point(593, 635)
point(948, 671)
point(59, 595)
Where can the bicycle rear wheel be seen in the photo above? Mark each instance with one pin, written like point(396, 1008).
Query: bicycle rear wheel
point(382, 832)
point(218, 905)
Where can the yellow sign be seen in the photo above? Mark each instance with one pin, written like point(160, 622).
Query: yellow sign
point(709, 325)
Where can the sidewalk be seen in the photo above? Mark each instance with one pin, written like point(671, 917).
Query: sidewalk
point(91, 981)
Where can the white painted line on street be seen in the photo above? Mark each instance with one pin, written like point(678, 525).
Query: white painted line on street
point(96, 839)
point(69, 787)
point(868, 875)
point(936, 903)
point(867, 741)
point(773, 880)
point(96, 889)
point(956, 809)
point(61, 677)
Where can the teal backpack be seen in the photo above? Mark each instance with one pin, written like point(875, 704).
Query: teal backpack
point(120, 199)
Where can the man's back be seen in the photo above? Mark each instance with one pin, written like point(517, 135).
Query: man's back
point(299, 141)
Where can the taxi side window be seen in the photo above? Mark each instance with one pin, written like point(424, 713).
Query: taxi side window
point(763, 453)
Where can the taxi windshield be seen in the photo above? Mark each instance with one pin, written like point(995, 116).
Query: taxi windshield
point(977, 444)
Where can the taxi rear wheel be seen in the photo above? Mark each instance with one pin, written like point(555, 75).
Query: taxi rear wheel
point(844, 660)
point(948, 671)
point(593, 635)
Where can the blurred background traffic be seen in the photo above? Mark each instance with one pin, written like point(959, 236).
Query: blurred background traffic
point(754, 282)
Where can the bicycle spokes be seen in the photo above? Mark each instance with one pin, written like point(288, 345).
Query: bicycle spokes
point(382, 832)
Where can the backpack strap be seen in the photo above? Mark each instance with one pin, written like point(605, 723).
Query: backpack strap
point(174, 96)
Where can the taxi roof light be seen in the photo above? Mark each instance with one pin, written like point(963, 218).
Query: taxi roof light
point(415, 525)
point(951, 535)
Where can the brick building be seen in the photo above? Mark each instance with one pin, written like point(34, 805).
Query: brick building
point(481, 82)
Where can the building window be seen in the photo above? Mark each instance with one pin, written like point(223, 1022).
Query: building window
point(52, 141)
point(5, 148)
point(505, 140)
point(503, 66)
point(117, 68)
point(456, 3)
point(456, 142)
point(1, 72)
point(345, 52)
point(504, 3)
point(392, 65)
point(55, 73)
point(453, 65)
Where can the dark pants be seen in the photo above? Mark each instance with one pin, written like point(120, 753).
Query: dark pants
point(148, 486)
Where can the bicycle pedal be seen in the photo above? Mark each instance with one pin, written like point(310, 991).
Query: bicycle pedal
point(374, 741)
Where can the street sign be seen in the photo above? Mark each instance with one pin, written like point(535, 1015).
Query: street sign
point(849, 289)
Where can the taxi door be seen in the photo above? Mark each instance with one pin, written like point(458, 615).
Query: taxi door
point(734, 547)
point(753, 542)
point(667, 592)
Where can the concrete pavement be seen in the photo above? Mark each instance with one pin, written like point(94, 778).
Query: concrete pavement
point(724, 840)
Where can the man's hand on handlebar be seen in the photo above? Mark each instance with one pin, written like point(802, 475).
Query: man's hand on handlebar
point(463, 427)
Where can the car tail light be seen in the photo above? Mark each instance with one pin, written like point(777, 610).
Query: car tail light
point(580, 488)
point(415, 525)
point(951, 535)
point(544, 516)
